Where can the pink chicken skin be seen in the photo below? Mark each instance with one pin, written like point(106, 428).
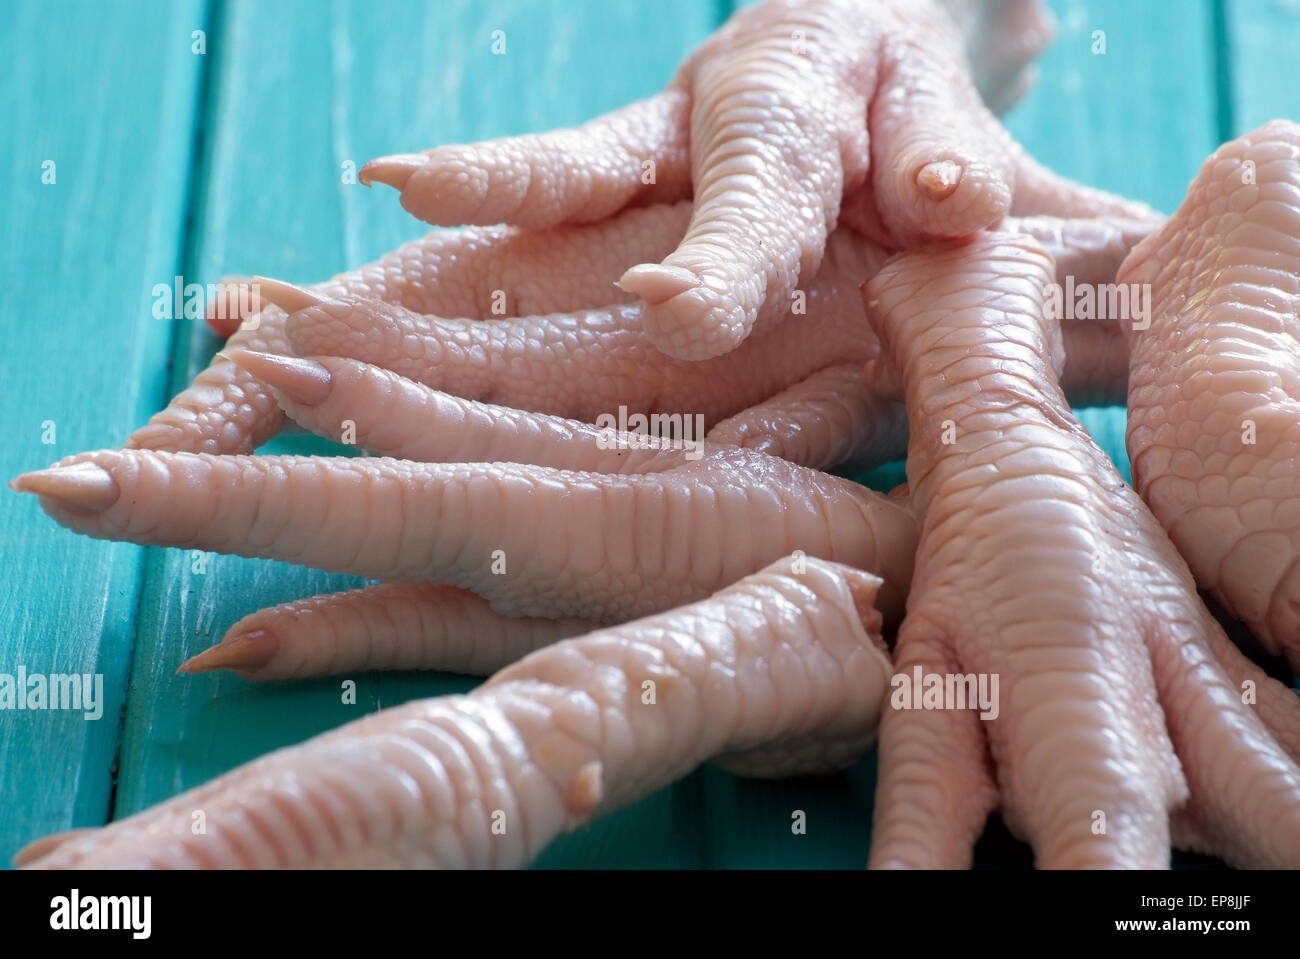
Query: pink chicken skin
point(1123, 724)
point(819, 241)
point(792, 110)
point(1214, 385)
point(781, 673)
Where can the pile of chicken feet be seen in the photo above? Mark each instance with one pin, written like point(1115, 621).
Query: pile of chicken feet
point(840, 256)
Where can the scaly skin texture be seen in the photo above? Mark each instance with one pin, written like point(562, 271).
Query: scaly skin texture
point(226, 410)
point(591, 360)
point(1214, 395)
point(833, 418)
point(532, 513)
point(427, 311)
point(1117, 729)
point(781, 673)
point(1086, 252)
point(793, 402)
point(1089, 252)
point(570, 269)
point(789, 109)
point(587, 363)
point(540, 531)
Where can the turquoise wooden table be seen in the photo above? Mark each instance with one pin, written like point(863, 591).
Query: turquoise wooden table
point(150, 139)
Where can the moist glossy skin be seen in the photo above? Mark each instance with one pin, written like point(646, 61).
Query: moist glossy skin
point(587, 363)
point(389, 626)
point(604, 534)
point(1122, 695)
point(1089, 251)
point(781, 673)
point(790, 109)
point(1214, 398)
point(457, 274)
point(1119, 699)
point(566, 269)
point(425, 312)
point(1239, 817)
point(801, 393)
point(566, 344)
point(1086, 251)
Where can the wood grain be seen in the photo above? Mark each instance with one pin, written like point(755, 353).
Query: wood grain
point(1261, 68)
point(83, 354)
point(154, 180)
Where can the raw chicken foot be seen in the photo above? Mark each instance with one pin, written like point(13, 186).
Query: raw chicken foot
point(590, 363)
point(1214, 401)
point(826, 382)
point(789, 108)
point(583, 365)
point(578, 356)
point(542, 516)
point(465, 273)
point(781, 673)
point(794, 390)
point(1121, 719)
point(568, 269)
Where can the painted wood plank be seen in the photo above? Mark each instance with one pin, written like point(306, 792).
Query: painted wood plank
point(1126, 101)
point(1140, 117)
point(84, 360)
point(1262, 73)
point(300, 90)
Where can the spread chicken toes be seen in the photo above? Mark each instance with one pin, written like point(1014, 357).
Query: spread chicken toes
point(541, 516)
point(781, 673)
point(531, 319)
point(810, 401)
point(590, 363)
point(1117, 722)
point(564, 342)
point(1214, 394)
point(788, 109)
point(476, 273)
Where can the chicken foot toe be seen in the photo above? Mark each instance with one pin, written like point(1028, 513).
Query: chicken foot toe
point(783, 672)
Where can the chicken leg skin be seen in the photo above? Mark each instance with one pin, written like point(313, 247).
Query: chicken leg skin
point(608, 529)
point(784, 672)
point(1214, 394)
point(1116, 733)
point(789, 112)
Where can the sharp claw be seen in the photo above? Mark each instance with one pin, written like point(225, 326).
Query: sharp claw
point(302, 380)
point(87, 487)
point(286, 296)
point(939, 180)
point(657, 282)
point(242, 652)
point(392, 170)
